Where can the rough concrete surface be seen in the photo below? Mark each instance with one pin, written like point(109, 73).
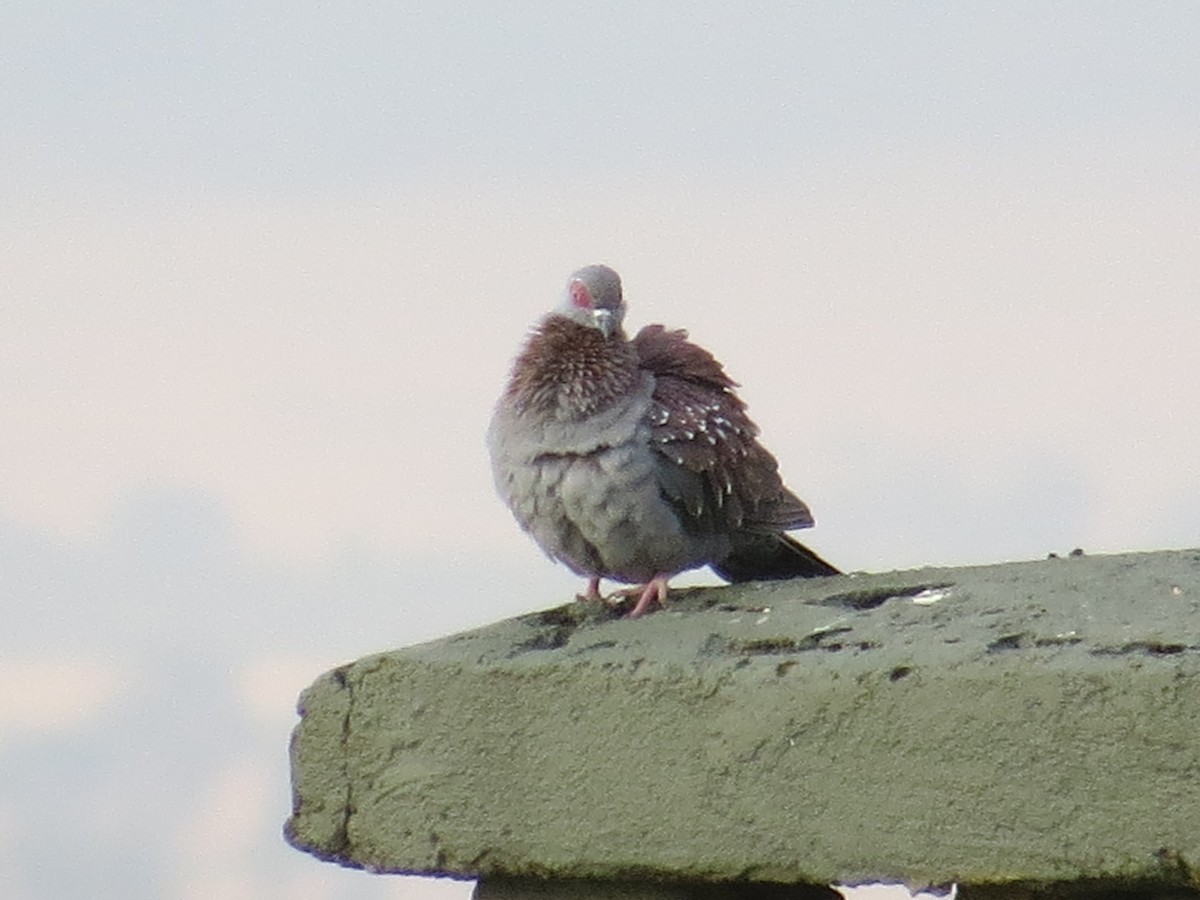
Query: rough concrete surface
point(1007, 725)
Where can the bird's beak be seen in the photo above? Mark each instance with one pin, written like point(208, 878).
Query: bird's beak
point(605, 321)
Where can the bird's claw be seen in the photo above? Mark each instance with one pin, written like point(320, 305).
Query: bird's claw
point(653, 592)
point(592, 593)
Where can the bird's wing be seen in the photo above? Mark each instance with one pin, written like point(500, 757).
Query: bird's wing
point(712, 467)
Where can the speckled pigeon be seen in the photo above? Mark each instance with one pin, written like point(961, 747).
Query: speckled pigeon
point(634, 460)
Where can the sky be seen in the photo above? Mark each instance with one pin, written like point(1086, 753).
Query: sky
point(263, 270)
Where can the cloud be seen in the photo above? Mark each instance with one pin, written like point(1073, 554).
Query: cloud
point(42, 696)
point(215, 844)
point(268, 687)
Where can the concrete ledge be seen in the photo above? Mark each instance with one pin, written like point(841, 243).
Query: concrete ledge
point(997, 726)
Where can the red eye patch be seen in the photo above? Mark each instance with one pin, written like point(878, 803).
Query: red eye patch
point(580, 296)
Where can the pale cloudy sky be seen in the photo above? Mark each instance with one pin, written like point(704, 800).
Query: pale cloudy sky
point(263, 268)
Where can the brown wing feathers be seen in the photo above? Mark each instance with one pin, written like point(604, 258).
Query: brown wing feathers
point(700, 426)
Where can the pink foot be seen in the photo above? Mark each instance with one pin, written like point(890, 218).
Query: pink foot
point(653, 591)
point(592, 592)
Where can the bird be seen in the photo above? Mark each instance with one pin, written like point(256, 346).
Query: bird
point(634, 459)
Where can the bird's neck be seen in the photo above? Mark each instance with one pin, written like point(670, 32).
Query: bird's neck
point(569, 371)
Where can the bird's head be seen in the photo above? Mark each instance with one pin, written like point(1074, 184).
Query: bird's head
point(593, 298)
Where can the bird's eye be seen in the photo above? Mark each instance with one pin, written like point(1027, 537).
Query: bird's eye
point(580, 296)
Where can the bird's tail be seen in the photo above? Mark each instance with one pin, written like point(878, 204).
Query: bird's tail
point(770, 557)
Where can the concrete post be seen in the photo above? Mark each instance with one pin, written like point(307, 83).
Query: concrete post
point(1014, 728)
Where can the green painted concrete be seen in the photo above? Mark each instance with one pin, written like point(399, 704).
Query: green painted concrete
point(1023, 723)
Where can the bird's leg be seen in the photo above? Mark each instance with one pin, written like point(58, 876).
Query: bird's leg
point(592, 592)
point(653, 591)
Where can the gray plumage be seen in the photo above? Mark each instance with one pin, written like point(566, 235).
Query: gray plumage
point(634, 460)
